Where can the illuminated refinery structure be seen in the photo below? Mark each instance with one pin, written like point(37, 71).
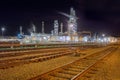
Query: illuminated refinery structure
point(72, 23)
point(71, 35)
point(56, 25)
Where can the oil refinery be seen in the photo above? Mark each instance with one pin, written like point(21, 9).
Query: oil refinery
point(70, 35)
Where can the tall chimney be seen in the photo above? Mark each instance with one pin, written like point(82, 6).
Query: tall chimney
point(61, 25)
point(20, 29)
point(42, 27)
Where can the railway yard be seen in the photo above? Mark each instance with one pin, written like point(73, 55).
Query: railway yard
point(61, 63)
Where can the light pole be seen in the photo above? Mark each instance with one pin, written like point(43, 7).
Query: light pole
point(2, 29)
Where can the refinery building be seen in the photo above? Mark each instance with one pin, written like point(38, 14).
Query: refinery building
point(70, 35)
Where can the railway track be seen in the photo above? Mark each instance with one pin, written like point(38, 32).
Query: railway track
point(31, 51)
point(11, 59)
point(77, 69)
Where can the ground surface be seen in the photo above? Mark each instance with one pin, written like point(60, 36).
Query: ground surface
point(109, 69)
point(27, 71)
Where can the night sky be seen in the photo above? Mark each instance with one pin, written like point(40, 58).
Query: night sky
point(97, 16)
